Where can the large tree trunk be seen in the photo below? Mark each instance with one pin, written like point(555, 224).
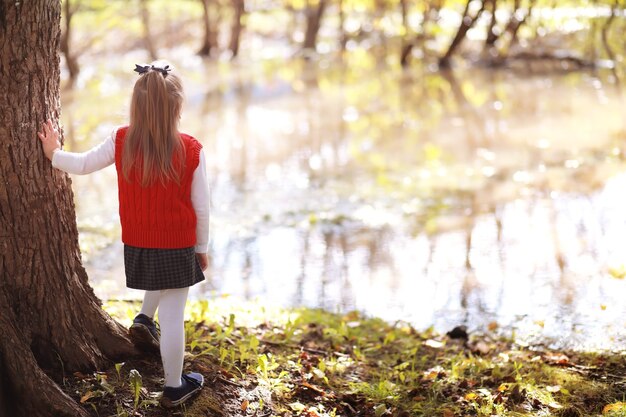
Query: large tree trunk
point(50, 318)
point(313, 22)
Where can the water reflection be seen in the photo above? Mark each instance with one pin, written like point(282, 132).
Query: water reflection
point(472, 198)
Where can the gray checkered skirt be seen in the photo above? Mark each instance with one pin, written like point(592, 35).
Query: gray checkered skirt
point(161, 269)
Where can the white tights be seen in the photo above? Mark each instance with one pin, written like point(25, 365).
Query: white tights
point(171, 305)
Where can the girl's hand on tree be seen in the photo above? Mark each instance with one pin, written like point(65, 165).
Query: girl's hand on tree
point(49, 139)
point(203, 260)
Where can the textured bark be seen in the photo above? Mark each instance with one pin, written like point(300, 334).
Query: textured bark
point(50, 318)
point(466, 24)
point(237, 27)
point(313, 22)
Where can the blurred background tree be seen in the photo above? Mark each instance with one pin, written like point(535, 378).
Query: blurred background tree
point(434, 161)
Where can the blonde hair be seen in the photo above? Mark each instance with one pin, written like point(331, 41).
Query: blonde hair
point(153, 149)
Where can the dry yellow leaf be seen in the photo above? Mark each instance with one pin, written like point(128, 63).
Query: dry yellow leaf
point(618, 272)
point(618, 406)
point(87, 396)
point(471, 396)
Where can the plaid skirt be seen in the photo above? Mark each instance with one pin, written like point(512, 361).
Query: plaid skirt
point(161, 269)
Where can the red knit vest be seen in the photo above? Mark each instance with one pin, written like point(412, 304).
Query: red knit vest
point(158, 216)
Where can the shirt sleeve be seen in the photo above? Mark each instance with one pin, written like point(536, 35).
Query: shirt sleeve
point(200, 199)
point(96, 158)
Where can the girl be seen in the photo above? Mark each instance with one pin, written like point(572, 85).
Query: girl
point(164, 212)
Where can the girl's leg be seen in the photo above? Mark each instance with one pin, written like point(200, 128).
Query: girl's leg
point(171, 317)
point(150, 303)
point(144, 332)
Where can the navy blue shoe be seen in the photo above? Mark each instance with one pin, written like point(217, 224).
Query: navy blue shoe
point(192, 383)
point(145, 334)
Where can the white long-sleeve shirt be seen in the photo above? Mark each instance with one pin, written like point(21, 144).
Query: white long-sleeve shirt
point(103, 155)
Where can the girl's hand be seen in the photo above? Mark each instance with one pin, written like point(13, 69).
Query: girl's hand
point(49, 139)
point(203, 260)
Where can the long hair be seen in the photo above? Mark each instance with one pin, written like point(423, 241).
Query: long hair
point(153, 149)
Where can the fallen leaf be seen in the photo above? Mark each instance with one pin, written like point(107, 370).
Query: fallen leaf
point(618, 273)
point(540, 323)
point(435, 344)
point(484, 392)
point(481, 347)
point(314, 388)
point(618, 406)
point(556, 359)
point(434, 373)
point(297, 406)
point(87, 396)
point(492, 326)
point(448, 413)
point(471, 396)
point(603, 307)
point(380, 410)
point(244, 405)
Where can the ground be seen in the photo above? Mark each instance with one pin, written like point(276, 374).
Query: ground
point(262, 361)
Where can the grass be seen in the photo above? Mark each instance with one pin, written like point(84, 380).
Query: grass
point(265, 361)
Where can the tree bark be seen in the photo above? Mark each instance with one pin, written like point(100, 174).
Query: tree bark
point(70, 59)
point(50, 319)
point(467, 22)
point(237, 26)
point(313, 22)
point(209, 40)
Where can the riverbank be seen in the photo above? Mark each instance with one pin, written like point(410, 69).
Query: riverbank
point(260, 360)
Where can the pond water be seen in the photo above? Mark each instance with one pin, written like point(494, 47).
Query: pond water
point(478, 197)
